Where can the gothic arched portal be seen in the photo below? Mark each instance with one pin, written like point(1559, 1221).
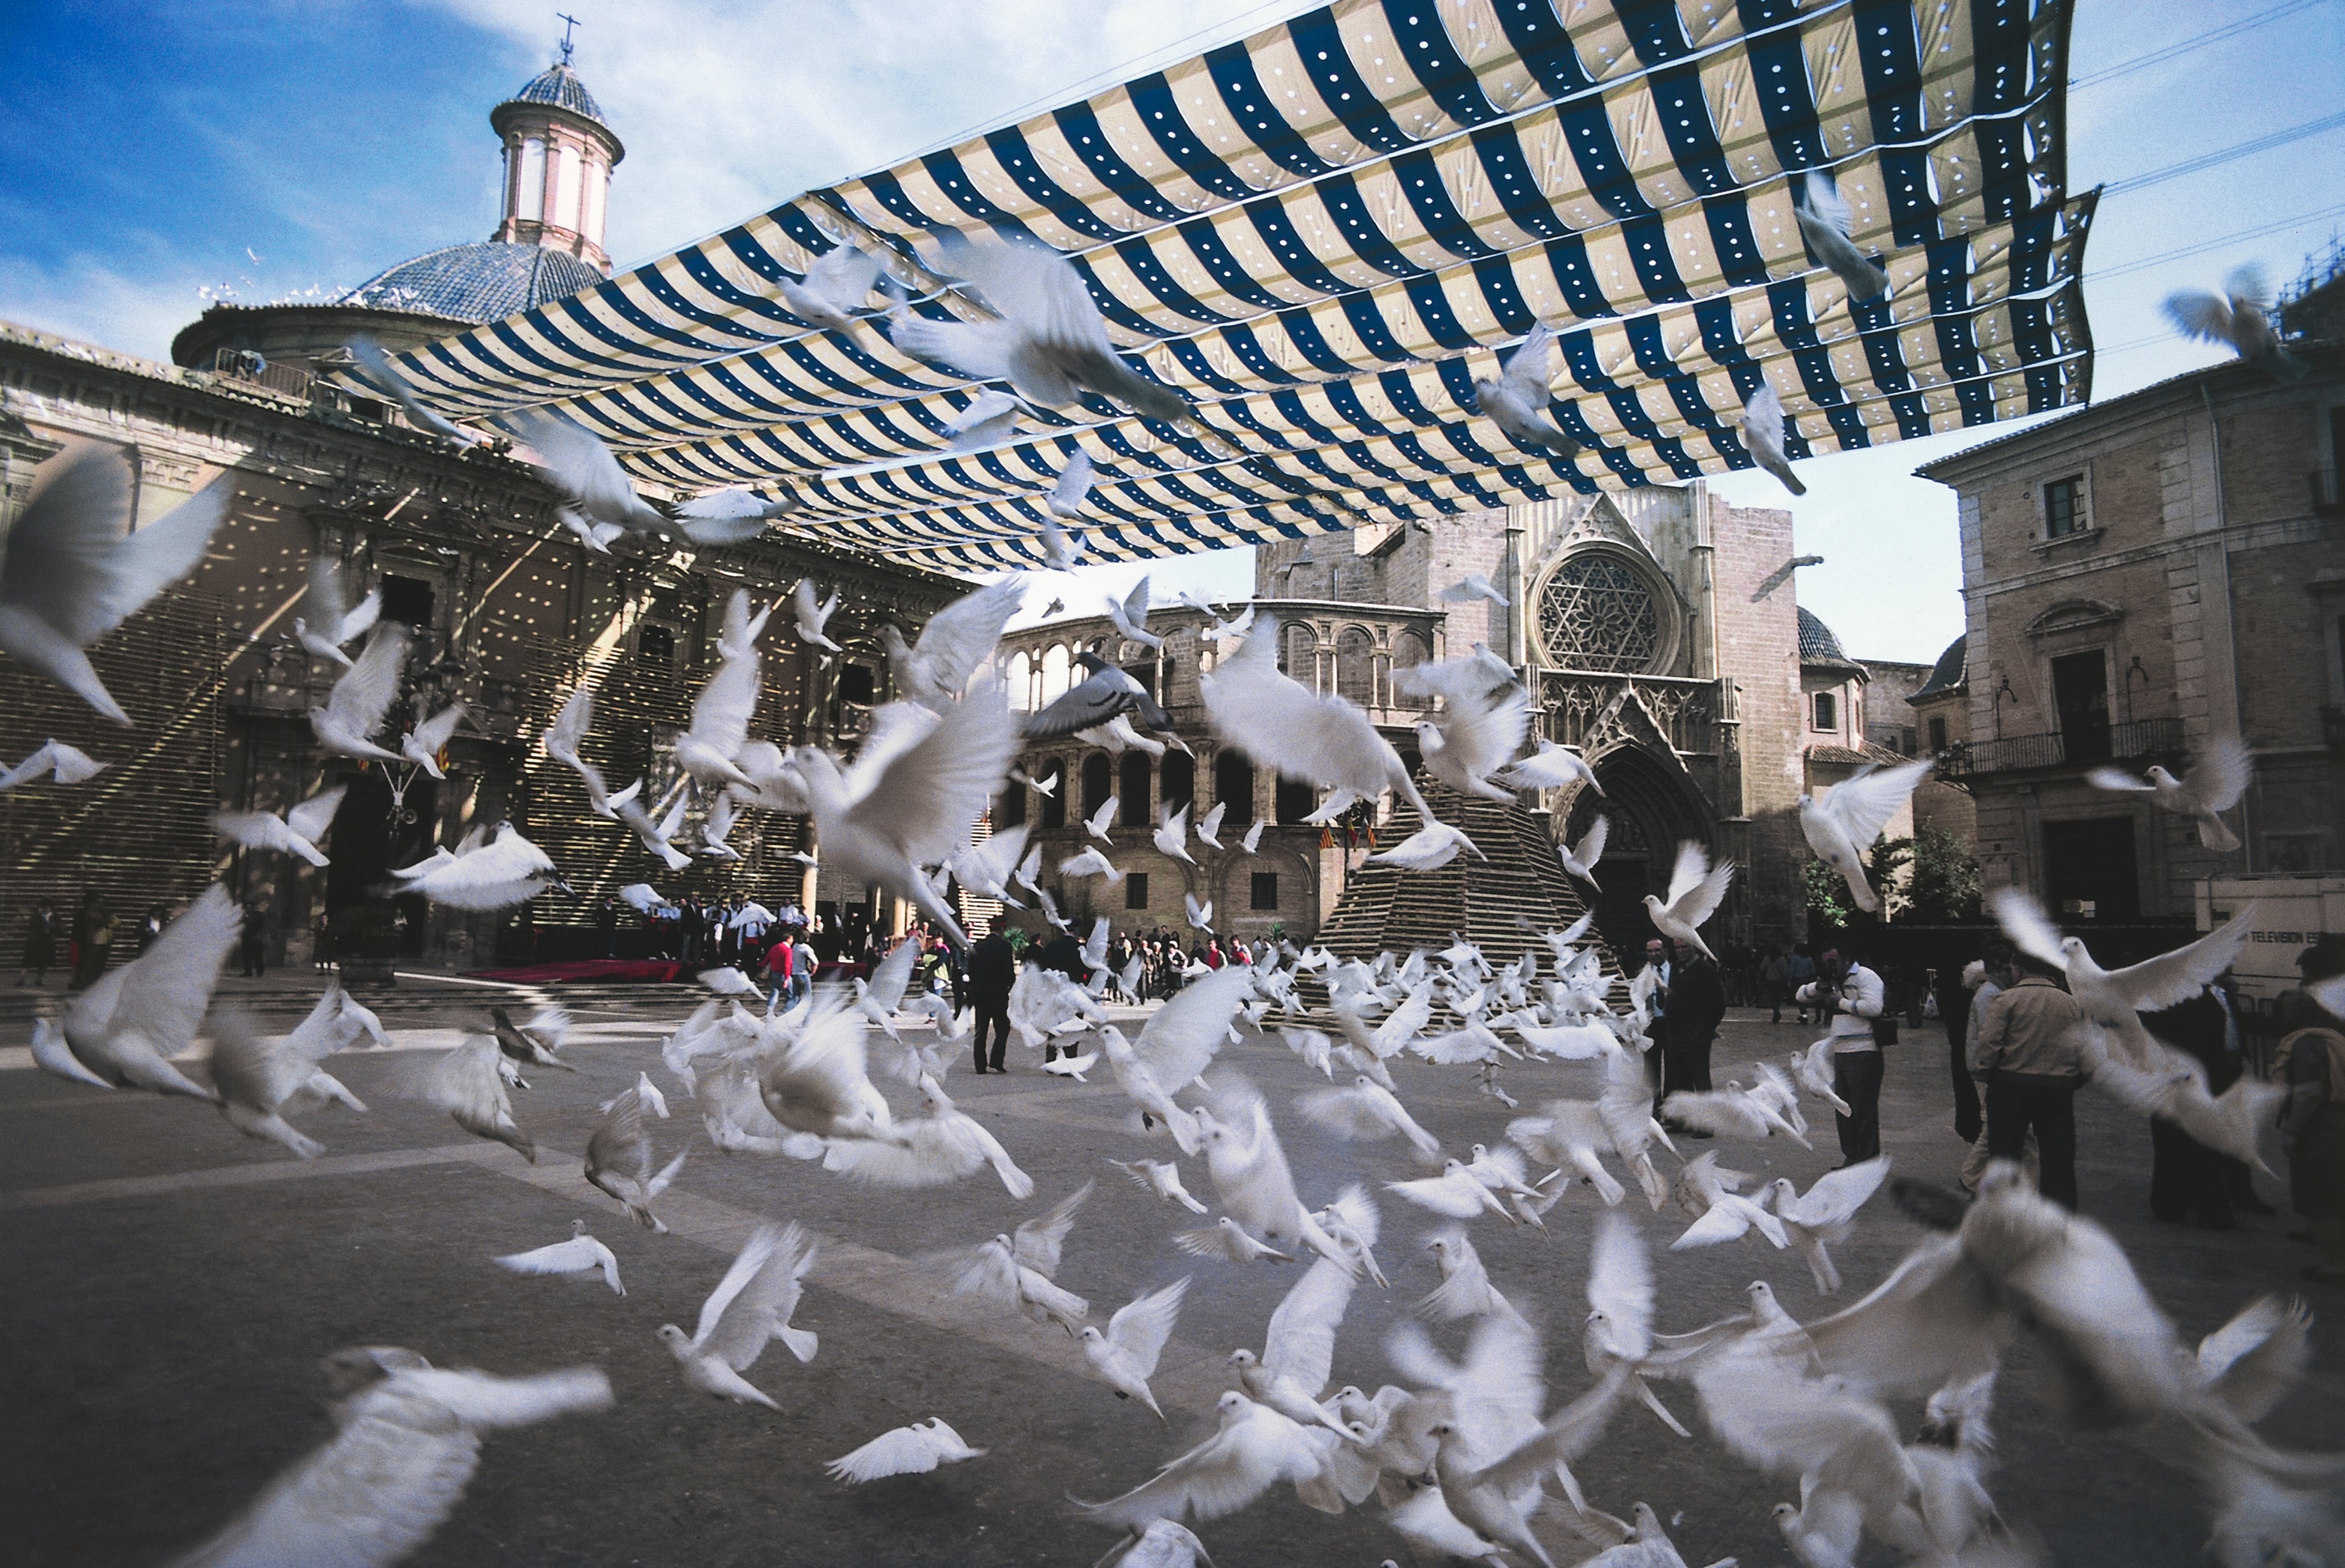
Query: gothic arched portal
point(1650, 809)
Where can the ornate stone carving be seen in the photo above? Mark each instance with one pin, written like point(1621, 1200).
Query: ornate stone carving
point(1597, 614)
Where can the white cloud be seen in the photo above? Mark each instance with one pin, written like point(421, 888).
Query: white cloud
point(729, 109)
point(86, 299)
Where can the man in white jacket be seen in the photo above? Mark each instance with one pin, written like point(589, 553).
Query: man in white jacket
point(1853, 995)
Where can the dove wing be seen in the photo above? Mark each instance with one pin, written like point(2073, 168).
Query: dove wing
point(1220, 1475)
point(843, 276)
point(1040, 1241)
point(366, 690)
point(1695, 891)
point(963, 635)
point(720, 714)
point(2221, 776)
point(1620, 1284)
point(68, 562)
point(2257, 1359)
point(1936, 1318)
point(464, 1083)
point(1764, 414)
point(247, 1072)
point(978, 350)
point(1300, 1342)
point(927, 796)
point(162, 995)
point(1862, 805)
point(762, 1286)
point(582, 466)
point(1135, 603)
point(1406, 1022)
point(312, 817)
point(887, 981)
point(2031, 930)
point(1074, 485)
point(1591, 849)
point(1346, 1112)
point(1768, 1412)
point(366, 1499)
point(1141, 1328)
point(619, 1142)
point(1825, 202)
point(2202, 315)
point(1179, 1042)
point(326, 605)
point(434, 732)
point(907, 1451)
point(2118, 781)
point(2176, 977)
point(1530, 368)
point(1838, 1194)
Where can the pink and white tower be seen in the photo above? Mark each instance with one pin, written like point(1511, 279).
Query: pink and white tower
point(559, 154)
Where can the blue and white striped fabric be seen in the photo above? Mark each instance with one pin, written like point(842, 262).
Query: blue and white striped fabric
point(1321, 236)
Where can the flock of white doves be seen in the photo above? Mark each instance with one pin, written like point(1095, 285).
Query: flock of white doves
point(1462, 1455)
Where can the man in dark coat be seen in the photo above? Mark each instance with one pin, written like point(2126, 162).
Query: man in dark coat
point(992, 971)
point(1697, 1007)
point(2186, 1178)
point(1064, 955)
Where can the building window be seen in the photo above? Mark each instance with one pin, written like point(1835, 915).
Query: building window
point(1265, 891)
point(1597, 614)
point(1233, 782)
point(407, 600)
point(854, 685)
point(655, 646)
point(2080, 694)
point(2063, 506)
point(1099, 776)
point(1176, 781)
point(1295, 800)
point(1054, 803)
point(1135, 891)
point(1010, 810)
point(1132, 789)
point(1937, 734)
point(1827, 716)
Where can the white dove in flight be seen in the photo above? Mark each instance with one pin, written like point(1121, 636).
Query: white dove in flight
point(914, 1450)
point(1852, 813)
point(1130, 615)
point(750, 1308)
point(2115, 995)
point(1124, 1355)
point(407, 1439)
point(2239, 318)
point(581, 1254)
point(70, 572)
point(1074, 488)
point(835, 283)
point(65, 764)
point(1516, 400)
point(1471, 587)
point(295, 832)
point(362, 698)
point(124, 1030)
point(2213, 788)
point(1826, 220)
point(1162, 1177)
point(1695, 892)
point(1048, 340)
point(1171, 835)
point(331, 623)
point(812, 617)
point(1762, 436)
point(1579, 859)
point(422, 744)
point(1552, 767)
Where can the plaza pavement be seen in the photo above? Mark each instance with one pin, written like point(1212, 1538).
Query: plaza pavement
point(170, 1286)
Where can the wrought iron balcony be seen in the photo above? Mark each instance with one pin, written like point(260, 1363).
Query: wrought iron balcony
point(2142, 741)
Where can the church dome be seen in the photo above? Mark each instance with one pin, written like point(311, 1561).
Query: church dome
point(1817, 643)
point(1947, 675)
point(559, 86)
point(480, 282)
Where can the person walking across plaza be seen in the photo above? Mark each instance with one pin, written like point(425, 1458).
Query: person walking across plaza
point(40, 943)
point(992, 971)
point(1657, 965)
point(1799, 969)
point(2030, 1063)
point(92, 935)
point(1853, 997)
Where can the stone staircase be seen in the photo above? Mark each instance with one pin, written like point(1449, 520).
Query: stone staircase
point(1387, 908)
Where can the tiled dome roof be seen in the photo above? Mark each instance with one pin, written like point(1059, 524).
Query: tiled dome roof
point(1817, 644)
point(483, 282)
point(559, 85)
point(1947, 674)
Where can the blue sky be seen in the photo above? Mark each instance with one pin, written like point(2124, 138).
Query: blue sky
point(152, 154)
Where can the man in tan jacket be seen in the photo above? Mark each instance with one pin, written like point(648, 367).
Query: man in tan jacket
point(2029, 1060)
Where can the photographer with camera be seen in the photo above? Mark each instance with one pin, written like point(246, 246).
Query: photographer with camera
point(1854, 998)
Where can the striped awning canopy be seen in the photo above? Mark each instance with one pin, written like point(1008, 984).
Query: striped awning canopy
point(1321, 236)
